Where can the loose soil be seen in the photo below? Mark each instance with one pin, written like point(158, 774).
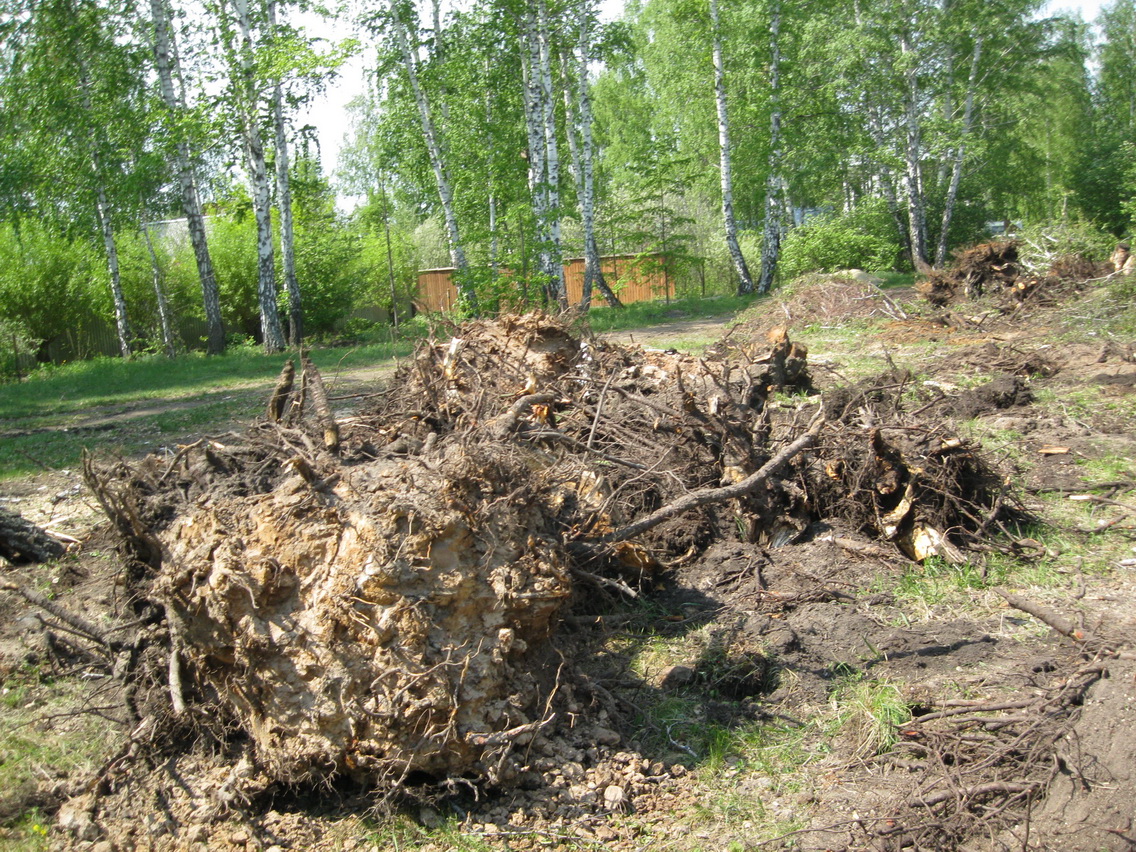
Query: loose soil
point(773, 671)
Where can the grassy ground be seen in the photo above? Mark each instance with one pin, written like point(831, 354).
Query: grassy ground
point(47, 419)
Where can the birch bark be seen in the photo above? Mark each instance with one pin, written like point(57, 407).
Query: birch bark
point(437, 162)
point(960, 152)
point(553, 255)
point(745, 280)
point(103, 214)
point(532, 92)
point(165, 60)
point(245, 89)
point(284, 204)
point(913, 153)
point(168, 342)
point(771, 241)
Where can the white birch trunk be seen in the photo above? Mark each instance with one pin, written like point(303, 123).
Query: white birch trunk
point(553, 255)
point(121, 325)
point(960, 153)
point(106, 227)
point(284, 204)
point(581, 123)
point(165, 59)
point(168, 342)
point(745, 281)
point(537, 153)
point(245, 88)
point(437, 163)
point(913, 153)
point(771, 241)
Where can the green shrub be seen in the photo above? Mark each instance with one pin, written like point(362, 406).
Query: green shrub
point(49, 285)
point(862, 239)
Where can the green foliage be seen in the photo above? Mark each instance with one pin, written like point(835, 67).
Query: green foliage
point(49, 285)
point(861, 239)
point(1043, 242)
point(328, 269)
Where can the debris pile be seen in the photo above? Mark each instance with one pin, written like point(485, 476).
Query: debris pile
point(375, 597)
point(995, 269)
point(976, 270)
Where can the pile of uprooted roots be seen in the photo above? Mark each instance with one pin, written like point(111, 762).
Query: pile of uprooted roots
point(373, 597)
point(995, 269)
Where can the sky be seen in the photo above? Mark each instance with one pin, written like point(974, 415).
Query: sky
point(328, 112)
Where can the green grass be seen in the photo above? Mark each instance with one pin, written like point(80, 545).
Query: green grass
point(81, 385)
point(46, 417)
point(642, 314)
point(868, 714)
point(41, 737)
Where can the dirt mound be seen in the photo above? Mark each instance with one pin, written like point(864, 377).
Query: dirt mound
point(816, 299)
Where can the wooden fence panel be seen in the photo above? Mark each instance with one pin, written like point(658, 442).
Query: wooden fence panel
point(635, 278)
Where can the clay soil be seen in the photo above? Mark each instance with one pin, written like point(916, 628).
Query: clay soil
point(917, 636)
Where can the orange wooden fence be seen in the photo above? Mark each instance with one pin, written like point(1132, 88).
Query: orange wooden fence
point(635, 278)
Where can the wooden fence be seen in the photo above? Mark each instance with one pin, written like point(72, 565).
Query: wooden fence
point(634, 277)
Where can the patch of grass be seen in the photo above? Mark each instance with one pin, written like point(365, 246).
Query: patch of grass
point(644, 314)
point(46, 416)
point(400, 832)
point(870, 713)
point(41, 737)
point(937, 580)
point(895, 279)
point(82, 385)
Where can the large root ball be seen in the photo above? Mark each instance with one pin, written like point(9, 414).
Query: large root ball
point(377, 625)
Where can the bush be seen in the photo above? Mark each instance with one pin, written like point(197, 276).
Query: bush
point(49, 285)
point(861, 239)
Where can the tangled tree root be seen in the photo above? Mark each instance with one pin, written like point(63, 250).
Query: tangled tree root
point(374, 598)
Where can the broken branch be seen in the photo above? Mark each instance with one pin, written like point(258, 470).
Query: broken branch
point(704, 496)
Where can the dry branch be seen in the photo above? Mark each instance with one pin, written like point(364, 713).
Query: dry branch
point(1045, 615)
point(705, 496)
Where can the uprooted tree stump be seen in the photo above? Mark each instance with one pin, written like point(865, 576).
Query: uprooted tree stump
point(375, 598)
point(22, 542)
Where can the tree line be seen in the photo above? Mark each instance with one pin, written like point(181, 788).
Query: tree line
point(733, 141)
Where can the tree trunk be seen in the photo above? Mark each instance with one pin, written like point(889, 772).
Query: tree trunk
point(168, 342)
point(771, 242)
point(271, 331)
point(537, 153)
point(165, 59)
point(284, 203)
point(554, 258)
point(106, 227)
point(437, 162)
point(745, 280)
point(960, 153)
point(913, 153)
point(593, 265)
point(121, 325)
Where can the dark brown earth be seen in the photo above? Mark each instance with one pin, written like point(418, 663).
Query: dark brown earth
point(722, 706)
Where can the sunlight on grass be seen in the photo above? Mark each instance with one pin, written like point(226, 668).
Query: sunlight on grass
point(641, 314)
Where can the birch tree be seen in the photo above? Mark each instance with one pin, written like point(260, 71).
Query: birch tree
point(578, 110)
point(745, 280)
point(167, 65)
point(284, 195)
point(771, 242)
point(402, 17)
point(236, 37)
